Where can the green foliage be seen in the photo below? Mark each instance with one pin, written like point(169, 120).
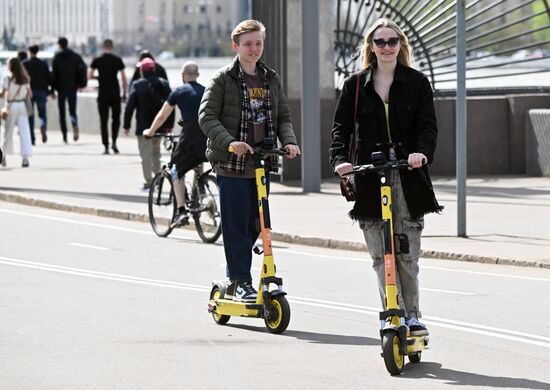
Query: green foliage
point(541, 20)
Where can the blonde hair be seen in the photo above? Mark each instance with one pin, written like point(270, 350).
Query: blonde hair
point(247, 26)
point(368, 57)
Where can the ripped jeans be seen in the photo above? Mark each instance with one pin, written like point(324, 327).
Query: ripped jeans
point(406, 263)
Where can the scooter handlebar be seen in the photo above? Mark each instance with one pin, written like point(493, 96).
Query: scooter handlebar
point(362, 169)
point(263, 152)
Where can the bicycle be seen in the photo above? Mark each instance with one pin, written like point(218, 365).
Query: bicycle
point(201, 199)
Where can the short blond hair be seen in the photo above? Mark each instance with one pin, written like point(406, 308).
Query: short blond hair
point(368, 57)
point(247, 26)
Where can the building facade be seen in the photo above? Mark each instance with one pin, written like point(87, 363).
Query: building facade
point(185, 27)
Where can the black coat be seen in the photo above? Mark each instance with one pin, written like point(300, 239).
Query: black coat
point(137, 99)
point(39, 73)
point(68, 69)
point(413, 129)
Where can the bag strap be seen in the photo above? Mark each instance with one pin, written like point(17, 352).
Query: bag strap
point(14, 97)
point(353, 141)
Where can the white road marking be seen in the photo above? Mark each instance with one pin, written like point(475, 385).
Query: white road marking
point(329, 257)
point(498, 275)
point(101, 248)
point(92, 224)
point(505, 334)
point(100, 275)
point(481, 273)
point(446, 291)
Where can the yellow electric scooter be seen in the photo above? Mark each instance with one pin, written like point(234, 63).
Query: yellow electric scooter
point(396, 341)
point(271, 305)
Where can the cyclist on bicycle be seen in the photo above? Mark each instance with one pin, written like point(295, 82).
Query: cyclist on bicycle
point(191, 147)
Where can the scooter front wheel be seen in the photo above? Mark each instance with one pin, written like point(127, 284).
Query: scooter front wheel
point(390, 349)
point(278, 319)
point(220, 319)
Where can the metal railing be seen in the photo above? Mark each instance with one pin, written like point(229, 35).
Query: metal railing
point(508, 41)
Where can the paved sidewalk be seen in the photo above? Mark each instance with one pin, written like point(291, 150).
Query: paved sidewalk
point(507, 217)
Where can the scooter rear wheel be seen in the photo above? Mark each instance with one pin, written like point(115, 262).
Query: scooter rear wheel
point(415, 358)
point(280, 316)
point(220, 319)
point(390, 349)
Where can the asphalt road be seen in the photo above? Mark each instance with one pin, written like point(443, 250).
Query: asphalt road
point(96, 303)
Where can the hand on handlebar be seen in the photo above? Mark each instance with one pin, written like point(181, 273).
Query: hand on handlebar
point(240, 148)
point(148, 133)
point(292, 151)
point(343, 169)
point(416, 160)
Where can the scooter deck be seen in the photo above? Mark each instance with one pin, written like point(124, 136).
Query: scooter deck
point(235, 308)
point(416, 344)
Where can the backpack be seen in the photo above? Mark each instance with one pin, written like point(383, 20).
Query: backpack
point(154, 99)
point(81, 76)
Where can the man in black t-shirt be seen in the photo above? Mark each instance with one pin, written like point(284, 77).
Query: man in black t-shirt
point(108, 66)
point(41, 87)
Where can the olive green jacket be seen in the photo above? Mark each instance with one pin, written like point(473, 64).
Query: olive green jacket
point(220, 111)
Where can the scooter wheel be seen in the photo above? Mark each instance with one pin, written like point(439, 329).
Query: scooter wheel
point(415, 358)
point(390, 349)
point(279, 318)
point(220, 319)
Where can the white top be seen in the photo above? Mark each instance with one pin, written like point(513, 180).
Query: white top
point(12, 91)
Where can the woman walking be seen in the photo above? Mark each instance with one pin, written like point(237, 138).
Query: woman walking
point(15, 89)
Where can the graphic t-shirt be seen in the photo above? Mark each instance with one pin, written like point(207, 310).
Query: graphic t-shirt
point(257, 116)
point(257, 123)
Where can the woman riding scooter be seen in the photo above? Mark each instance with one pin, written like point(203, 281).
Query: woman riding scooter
point(395, 115)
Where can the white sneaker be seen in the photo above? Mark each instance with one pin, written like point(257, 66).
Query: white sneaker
point(416, 327)
point(244, 292)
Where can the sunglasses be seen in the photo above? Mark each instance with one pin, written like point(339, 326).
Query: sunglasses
point(380, 43)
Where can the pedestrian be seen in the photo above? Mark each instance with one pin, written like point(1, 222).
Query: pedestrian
point(146, 96)
point(108, 66)
point(68, 75)
point(243, 104)
point(396, 115)
point(191, 148)
point(22, 55)
point(40, 75)
point(159, 69)
point(15, 89)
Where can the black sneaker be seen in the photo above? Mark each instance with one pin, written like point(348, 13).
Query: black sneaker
point(244, 292)
point(115, 149)
point(180, 219)
point(44, 135)
point(416, 327)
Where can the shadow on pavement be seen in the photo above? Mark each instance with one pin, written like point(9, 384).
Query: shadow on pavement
point(493, 192)
point(461, 378)
point(316, 338)
point(88, 195)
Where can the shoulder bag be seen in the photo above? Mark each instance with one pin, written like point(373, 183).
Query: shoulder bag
point(347, 184)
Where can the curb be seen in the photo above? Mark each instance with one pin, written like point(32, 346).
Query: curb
point(276, 236)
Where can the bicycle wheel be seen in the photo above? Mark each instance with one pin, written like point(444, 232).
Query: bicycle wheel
point(162, 204)
point(207, 209)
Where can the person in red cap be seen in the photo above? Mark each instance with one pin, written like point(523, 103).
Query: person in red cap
point(146, 97)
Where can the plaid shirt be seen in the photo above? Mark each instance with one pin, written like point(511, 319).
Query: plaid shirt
point(236, 163)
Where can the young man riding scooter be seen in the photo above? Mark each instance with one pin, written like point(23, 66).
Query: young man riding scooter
point(243, 104)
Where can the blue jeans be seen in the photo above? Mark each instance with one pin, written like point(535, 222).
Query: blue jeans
point(70, 96)
point(240, 223)
point(39, 97)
